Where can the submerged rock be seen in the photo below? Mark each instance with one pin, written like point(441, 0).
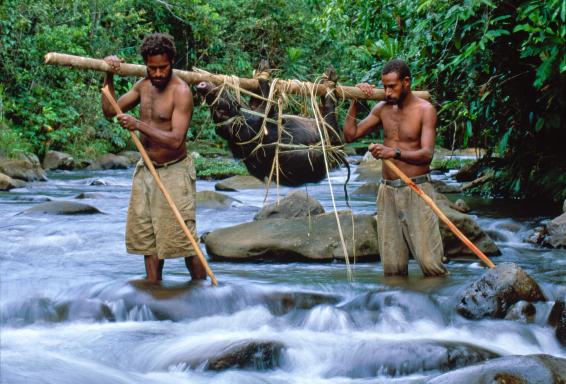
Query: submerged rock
point(453, 246)
point(296, 204)
point(522, 311)
point(400, 358)
point(530, 369)
point(496, 291)
point(557, 319)
point(89, 309)
point(62, 208)
point(214, 200)
point(237, 183)
point(248, 354)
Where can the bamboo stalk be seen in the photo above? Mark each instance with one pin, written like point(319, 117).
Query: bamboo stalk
point(149, 165)
point(289, 86)
point(439, 213)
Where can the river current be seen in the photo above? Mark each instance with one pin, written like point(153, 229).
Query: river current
point(74, 308)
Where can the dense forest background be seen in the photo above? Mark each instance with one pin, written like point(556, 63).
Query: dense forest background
point(496, 69)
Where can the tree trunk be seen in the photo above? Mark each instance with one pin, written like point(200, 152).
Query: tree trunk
point(289, 86)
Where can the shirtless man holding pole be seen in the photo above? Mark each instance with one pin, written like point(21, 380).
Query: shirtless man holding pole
point(405, 223)
point(166, 108)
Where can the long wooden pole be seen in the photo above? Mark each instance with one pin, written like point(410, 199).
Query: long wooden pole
point(439, 213)
point(149, 165)
point(289, 86)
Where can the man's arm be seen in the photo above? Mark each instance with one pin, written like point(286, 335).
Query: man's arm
point(422, 156)
point(127, 101)
point(180, 119)
point(353, 130)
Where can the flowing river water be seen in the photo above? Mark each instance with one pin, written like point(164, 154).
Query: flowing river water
point(75, 308)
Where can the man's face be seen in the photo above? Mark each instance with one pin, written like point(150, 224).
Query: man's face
point(159, 70)
point(395, 89)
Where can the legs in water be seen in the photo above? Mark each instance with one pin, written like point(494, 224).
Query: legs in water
point(195, 267)
point(153, 268)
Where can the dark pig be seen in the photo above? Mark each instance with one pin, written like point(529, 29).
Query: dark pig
point(301, 159)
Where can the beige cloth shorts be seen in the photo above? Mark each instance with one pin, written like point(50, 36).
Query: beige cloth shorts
point(152, 228)
point(406, 224)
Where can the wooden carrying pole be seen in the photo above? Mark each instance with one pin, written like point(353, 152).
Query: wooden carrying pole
point(149, 165)
point(289, 86)
point(439, 213)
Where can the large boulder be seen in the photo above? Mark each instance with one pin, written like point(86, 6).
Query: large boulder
point(62, 208)
point(317, 238)
point(303, 238)
point(369, 169)
point(7, 183)
point(110, 161)
point(58, 160)
point(26, 167)
point(296, 204)
point(556, 232)
point(132, 156)
point(454, 247)
point(369, 189)
point(214, 200)
point(238, 182)
point(496, 291)
point(530, 369)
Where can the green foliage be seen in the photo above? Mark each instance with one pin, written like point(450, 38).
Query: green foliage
point(218, 168)
point(447, 164)
point(495, 68)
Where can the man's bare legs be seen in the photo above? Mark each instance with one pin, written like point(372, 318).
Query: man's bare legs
point(195, 267)
point(153, 268)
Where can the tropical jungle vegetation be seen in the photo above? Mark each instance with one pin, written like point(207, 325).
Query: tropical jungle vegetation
point(496, 69)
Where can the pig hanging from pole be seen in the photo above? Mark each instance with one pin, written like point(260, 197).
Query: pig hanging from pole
point(285, 148)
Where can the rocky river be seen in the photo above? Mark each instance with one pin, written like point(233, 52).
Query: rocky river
point(75, 309)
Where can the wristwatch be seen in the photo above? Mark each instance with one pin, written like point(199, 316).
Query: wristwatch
point(397, 153)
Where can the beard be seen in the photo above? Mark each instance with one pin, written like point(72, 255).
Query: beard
point(399, 100)
point(160, 82)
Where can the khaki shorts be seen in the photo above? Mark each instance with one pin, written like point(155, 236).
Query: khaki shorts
point(406, 224)
point(152, 228)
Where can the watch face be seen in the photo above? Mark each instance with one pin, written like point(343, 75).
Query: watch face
point(397, 153)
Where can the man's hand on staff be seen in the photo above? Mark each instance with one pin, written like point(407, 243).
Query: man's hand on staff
point(128, 121)
point(366, 88)
point(380, 151)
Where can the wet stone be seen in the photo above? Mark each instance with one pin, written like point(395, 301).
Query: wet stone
point(62, 208)
point(296, 204)
point(530, 369)
point(387, 358)
point(557, 319)
point(256, 355)
point(496, 291)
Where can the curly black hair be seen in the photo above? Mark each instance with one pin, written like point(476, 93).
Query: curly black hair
point(158, 44)
point(397, 66)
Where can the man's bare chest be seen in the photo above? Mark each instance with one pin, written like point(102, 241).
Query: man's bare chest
point(156, 107)
point(402, 126)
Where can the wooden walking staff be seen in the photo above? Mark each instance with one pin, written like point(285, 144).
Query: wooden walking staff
point(439, 213)
point(149, 164)
point(288, 86)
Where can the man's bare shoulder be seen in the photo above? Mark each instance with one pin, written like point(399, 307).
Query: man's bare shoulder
point(181, 89)
point(425, 106)
point(379, 108)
